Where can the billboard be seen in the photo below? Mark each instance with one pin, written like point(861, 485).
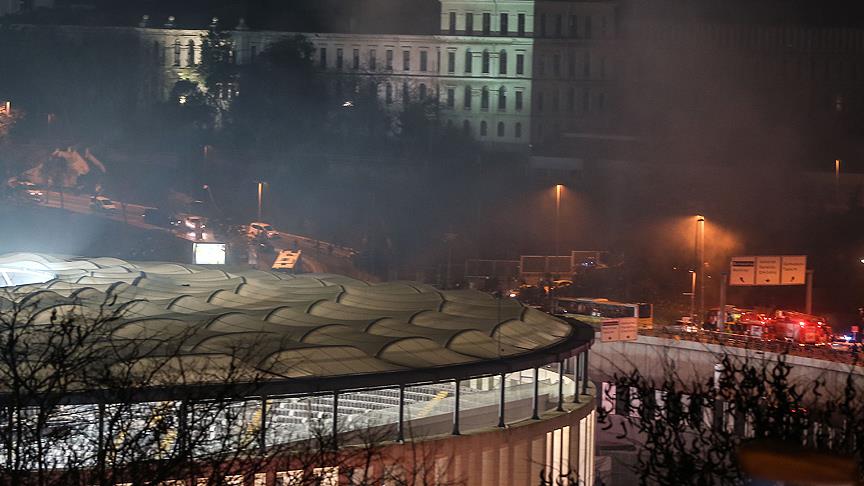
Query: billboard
point(768, 270)
point(209, 253)
point(742, 271)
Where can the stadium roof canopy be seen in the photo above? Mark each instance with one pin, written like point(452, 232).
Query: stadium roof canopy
point(186, 325)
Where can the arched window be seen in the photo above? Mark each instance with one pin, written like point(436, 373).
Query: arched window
point(388, 93)
point(467, 99)
point(466, 127)
point(190, 53)
point(484, 98)
point(485, 63)
point(502, 62)
point(517, 130)
point(483, 129)
point(502, 98)
point(500, 129)
point(469, 61)
point(422, 91)
point(177, 52)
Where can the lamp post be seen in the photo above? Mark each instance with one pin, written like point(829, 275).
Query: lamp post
point(692, 297)
point(260, 197)
point(558, 188)
point(700, 255)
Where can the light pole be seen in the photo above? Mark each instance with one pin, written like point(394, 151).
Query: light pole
point(700, 255)
point(837, 179)
point(692, 297)
point(260, 197)
point(558, 188)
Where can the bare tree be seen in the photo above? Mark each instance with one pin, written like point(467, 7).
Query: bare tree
point(91, 395)
point(694, 432)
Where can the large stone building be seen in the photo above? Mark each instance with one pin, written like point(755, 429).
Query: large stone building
point(512, 73)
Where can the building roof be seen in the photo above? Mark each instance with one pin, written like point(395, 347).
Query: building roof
point(290, 334)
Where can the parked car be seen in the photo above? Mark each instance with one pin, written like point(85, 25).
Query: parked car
point(102, 204)
point(258, 228)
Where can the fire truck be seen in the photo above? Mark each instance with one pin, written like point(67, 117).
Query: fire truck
point(801, 328)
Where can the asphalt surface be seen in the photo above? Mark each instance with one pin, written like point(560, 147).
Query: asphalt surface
point(317, 256)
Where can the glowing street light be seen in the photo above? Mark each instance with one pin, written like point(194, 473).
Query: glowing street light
point(558, 189)
point(260, 197)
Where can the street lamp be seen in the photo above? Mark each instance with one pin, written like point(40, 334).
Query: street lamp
point(260, 197)
point(692, 297)
point(700, 255)
point(558, 188)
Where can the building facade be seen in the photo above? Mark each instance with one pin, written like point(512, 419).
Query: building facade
point(511, 73)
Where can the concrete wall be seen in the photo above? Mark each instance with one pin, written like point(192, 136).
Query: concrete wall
point(653, 356)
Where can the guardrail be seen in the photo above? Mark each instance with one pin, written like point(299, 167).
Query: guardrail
point(823, 352)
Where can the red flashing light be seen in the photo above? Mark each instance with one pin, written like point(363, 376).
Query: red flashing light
point(802, 323)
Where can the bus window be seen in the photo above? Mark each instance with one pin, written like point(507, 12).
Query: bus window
point(645, 310)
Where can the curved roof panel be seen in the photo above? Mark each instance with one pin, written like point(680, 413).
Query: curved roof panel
point(315, 328)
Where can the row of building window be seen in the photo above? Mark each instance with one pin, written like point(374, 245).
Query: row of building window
point(572, 68)
point(485, 62)
point(598, 103)
point(500, 129)
point(578, 27)
point(373, 59)
point(468, 97)
point(503, 24)
point(422, 93)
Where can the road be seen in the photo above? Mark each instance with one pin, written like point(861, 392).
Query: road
point(318, 256)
